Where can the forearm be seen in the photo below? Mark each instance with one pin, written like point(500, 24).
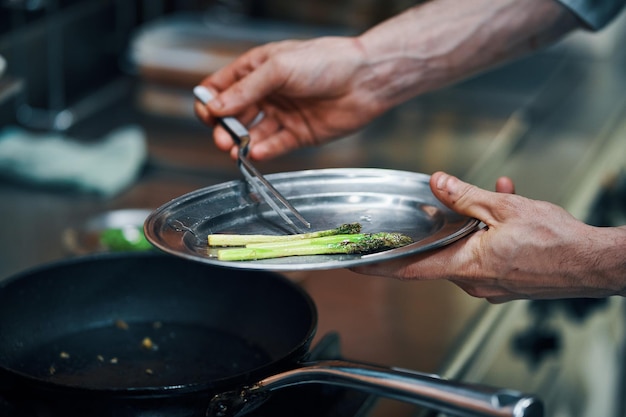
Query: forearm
point(605, 259)
point(442, 41)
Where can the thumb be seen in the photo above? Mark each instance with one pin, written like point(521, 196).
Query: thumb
point(464, 198)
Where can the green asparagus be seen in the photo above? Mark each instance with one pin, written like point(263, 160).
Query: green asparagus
point(242, 240)
point(339, 244)
point(324, 240)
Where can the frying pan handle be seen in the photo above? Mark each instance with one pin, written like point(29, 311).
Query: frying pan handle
point(455, 398)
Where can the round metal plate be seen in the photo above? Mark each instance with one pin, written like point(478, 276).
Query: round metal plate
point(381, 200)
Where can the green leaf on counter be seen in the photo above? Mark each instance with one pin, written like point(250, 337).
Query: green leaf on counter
point(125, 239)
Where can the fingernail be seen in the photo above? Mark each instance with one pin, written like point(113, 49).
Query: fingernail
point(441, 181)
point(216, 104)
point(208, 96)
point(447, 183)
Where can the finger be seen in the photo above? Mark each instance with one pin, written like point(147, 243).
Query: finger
point(206, 114)
point(279, 143)
point(263, 129)
point(244, 85)
point(505, 185)
point(203, 113)
point(464, 198)
point(201, 110)
point(222, 139)
point(239, 68)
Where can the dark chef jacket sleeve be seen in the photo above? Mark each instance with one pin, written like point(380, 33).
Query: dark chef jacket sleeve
point(595, 13)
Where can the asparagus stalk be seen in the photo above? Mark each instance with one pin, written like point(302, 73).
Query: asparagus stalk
point(324, 240)
point(356, 243)
point(242, 240)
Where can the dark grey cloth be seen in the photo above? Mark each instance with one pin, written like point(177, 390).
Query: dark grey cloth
point(595, 13)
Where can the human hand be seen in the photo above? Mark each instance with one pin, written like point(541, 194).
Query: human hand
point(309, 92)
point(529, 250)
point(316, 90)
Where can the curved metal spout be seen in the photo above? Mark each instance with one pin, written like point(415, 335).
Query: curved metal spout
point(455, 398)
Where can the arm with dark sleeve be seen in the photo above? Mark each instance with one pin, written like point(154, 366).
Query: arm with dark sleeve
point(595, 14)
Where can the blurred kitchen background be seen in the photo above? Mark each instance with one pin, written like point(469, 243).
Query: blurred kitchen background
point(114, 77)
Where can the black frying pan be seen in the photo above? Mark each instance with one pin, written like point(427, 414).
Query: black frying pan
point(141, 334)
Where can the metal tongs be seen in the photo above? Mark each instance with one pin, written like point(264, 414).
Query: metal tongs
point(241, 137)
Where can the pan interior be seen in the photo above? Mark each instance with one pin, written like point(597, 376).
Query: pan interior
point(134, 321)
point(142, 354)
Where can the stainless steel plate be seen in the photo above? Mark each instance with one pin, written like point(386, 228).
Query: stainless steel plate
point(380, 199)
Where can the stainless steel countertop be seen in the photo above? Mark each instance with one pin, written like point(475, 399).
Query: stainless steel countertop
point(555, 123)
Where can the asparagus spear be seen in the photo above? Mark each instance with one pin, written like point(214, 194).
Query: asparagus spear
point(323, 240)
point(242, 240)
point(356, 243)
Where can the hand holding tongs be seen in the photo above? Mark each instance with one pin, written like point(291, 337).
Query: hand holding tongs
point(241, 137)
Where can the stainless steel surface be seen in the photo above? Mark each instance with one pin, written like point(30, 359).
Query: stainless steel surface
point(328, 197)
point(241, 136)
point(453, 398)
